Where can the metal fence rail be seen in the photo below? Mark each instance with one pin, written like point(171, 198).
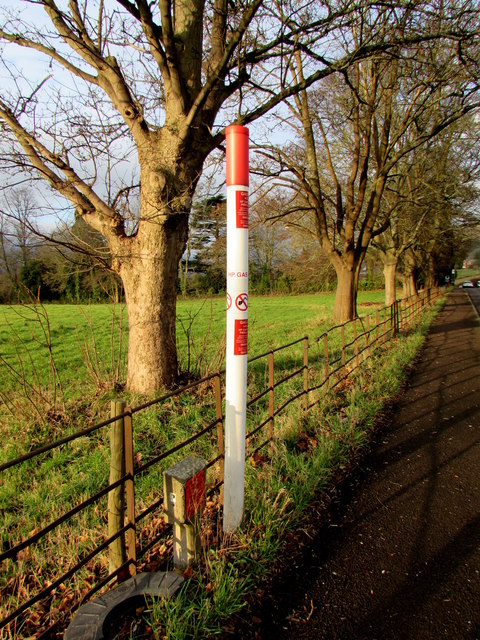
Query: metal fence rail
point(300, 371)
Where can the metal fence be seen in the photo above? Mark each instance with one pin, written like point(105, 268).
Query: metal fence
point(302, 371)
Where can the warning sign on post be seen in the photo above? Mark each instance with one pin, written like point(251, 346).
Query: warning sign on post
point(241, 302)
point(241, 207)
point(241, 338)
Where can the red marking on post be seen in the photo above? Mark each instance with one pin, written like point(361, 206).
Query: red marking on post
point(241, 338)
point(241, 302)
point(237, 155)
point(229, 301)
point(194, 494)
point(241, 208)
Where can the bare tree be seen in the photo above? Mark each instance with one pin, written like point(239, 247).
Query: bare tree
point(17, 239)
point(431, 196)
point(269, 242)
point(352, 132)
point(152, 85)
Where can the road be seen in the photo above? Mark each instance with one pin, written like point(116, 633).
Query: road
point(475, 297)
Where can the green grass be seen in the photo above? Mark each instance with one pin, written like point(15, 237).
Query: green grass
point(58, 360)
point(91, 339)
point(273, 321)
point(36, 493)
point(464, 274)
point(77, 335)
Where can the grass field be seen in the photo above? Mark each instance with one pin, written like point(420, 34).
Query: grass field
point(61, 364)
point(84, 347)
point(78, 353)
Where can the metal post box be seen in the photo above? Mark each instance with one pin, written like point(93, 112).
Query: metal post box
point(184, 497)
point(184, 489)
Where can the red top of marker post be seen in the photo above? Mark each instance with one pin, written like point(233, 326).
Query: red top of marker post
point(237, 155)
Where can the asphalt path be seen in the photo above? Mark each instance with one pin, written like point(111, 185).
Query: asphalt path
point(475, 297)
point(399, 557)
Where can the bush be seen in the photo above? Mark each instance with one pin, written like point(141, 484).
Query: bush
point(36, 276)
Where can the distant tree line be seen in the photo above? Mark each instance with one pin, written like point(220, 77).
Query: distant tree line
point(32, 268)
point(283, 257)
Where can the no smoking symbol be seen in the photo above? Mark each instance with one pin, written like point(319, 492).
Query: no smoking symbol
point(241, 302)
point(229, 301)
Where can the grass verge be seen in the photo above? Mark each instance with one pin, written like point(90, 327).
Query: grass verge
point(310, 453)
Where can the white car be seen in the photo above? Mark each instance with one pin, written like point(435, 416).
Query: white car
point(467, 283)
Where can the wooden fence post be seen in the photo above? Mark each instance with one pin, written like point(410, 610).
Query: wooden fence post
point(368, 351)
point(271, 397)
point(116, 510)
point(305, 371)
point(130, 493)
point(355, 340)
point(327, 370)
point(220, 440)
point(395, 324)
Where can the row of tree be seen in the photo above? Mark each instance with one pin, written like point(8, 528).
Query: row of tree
point(132, 97)
point(285, 257)
point(70, 265)
point(281, 260)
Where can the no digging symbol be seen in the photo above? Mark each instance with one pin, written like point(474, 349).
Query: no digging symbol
point(241, 302)
point(229, 301)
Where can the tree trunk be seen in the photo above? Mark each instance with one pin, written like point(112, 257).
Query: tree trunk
point(390, 275)
point(150, 280)
point(148, 262)
point(184, 272)
point(409, 283)
point(431, 280)
point(346, 295)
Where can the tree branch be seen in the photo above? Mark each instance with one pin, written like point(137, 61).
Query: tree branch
point(218, 73)
point(50, 52)
point(81, 195)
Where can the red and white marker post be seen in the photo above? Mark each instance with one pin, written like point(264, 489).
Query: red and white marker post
point(237, 325)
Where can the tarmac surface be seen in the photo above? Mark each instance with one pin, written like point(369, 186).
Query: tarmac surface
point(399, 557)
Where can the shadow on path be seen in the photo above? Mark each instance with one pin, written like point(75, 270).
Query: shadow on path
point(400, 555)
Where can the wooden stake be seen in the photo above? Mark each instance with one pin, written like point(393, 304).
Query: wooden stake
point(116, 510)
